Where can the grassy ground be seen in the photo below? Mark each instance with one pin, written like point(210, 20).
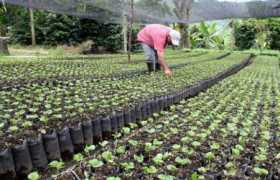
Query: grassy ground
point(21, 52)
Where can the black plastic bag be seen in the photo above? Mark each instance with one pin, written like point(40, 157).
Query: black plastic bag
point(169, 100)
point(132, 115)
point(22, 159)
point(156, 106)
point(7, 166)
point(114, 124)
point(120, 119)
point(65, 144)
point(96, 131)
point(37, 153)
point(149, 108)
point(161, 103)
point(106, 128)
point(77, 137)
point(127, 117)
point(138, 113)
point(51, 144)
point(88, 134)
point(144, 113)
point(165, 102)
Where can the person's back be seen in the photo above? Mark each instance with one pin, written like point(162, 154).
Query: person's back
point(155, 35)
point(154, 39)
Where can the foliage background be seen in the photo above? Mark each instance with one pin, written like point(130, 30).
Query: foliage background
point(52, 29)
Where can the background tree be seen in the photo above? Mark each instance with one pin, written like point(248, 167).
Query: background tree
point(32, 27)
point(245, 35)
point(3, 21)
point(182, 10)
point(273, 25)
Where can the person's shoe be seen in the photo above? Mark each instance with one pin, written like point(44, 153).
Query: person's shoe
point(158, 67)
point(150, 67)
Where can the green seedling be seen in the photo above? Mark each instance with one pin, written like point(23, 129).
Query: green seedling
point(165, 177)
point(187, 150)
point(260, 171)
point(78, 157)
point(89, 148)
point(120, 150)
point(104, 143)
point(195, 176)
point(157, 142)
point(133, 143)
point(139, 159)
point(108, 156)
point(13, 129)
point(126, 131)
point(215, 146)
point(202, 170)
point(196, 144)
point(113, 178)
point(128, 166)
point(158, 159)
point(58, 165)
point(95, 163)
point(150, 170)
point(171, 168)
point(210, 156)
point(278, 156)
point(176, 147)
point(182, 161)
point(149, 147)
point(34, 176)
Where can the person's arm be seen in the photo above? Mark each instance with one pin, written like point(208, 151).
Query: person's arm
point(163, 64)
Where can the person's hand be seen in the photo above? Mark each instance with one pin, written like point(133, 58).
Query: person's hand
point(168, 72)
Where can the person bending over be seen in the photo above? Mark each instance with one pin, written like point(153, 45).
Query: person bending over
point(154, 39)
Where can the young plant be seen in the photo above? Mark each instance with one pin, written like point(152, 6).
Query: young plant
point(120, 150)
point(171, 168)
point(210, 156)
point(34, 176)
point(133, 143)
point(58, 165)
point(126, 131)
point(165, 177)
point(127, 166)
point(95, 163)
point(182, 161)
point(89, 148)
point(150, 170)
point(113, 178)
point(260, 171)
point(139, 159)
point(158, 159)
point(78, 157)
point(108, 156)
point(104, 144)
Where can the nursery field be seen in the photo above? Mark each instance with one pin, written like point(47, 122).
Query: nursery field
point(231, 131)
point(217, 117)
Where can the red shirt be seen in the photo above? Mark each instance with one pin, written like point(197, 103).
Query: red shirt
point(154, 35)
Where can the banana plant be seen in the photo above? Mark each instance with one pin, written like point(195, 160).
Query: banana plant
point(206, 36)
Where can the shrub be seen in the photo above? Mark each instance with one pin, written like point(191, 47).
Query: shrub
point(245, 35)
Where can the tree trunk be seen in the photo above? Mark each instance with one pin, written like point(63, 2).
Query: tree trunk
point(4, 46)
point(130, 30)
point(185, 40)
point(32, 27)
point(125, 33)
